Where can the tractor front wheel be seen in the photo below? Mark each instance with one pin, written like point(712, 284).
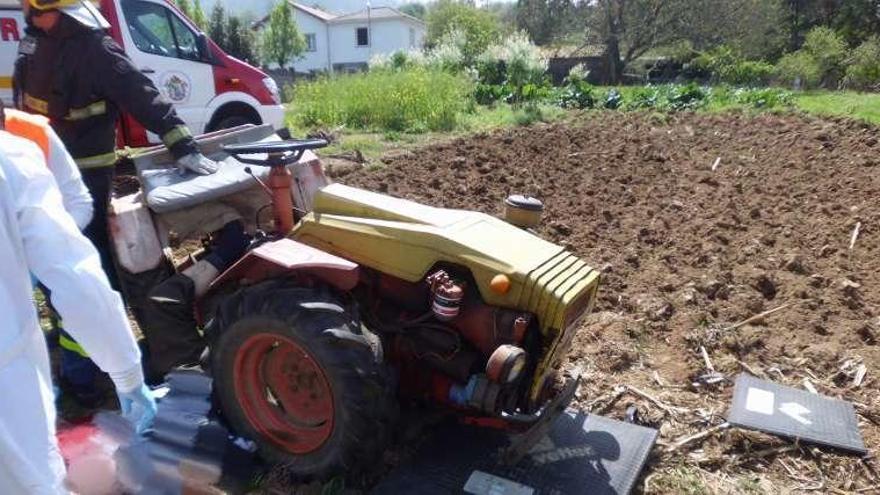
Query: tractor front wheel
point(297, 373)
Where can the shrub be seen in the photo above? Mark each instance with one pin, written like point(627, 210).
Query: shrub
point(522, 65)
point(863, 71)
point(413, 100)
point(799, 70)
point(487, 94)
point(478, 27)
point(829, 51)
point(726, 65)
point(749, 73)
point(819, 62)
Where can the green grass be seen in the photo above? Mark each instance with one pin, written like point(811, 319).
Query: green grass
point(412, 100)
point(862, 106)
point(373, 144)
point(859, 106)
point(503, 115)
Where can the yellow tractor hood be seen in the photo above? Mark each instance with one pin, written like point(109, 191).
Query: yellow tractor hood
point(405, 239)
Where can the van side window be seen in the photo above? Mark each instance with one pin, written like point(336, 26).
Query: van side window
point(156, 30)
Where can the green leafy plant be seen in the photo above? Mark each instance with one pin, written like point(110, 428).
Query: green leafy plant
point(613, 99)
point(764, 98)
point(576, 93)
point(641, 98)
point(687, 97)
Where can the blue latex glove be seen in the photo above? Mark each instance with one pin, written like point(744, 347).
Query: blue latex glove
point(139, 407)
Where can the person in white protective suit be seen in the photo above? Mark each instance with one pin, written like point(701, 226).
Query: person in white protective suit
point(38, 236)
point(74, 193)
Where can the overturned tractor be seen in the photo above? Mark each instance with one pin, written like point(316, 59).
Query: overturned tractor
point(348, 302)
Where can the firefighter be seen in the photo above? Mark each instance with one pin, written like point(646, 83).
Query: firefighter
point(70, 70)
point(37, 235)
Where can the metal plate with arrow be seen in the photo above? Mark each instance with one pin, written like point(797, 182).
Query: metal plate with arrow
point(789, 412)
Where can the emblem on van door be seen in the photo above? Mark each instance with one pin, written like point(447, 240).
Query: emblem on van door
point(176, 86)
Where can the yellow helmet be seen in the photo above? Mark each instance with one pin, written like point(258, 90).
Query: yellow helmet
point(52, 4)
point(83, 11)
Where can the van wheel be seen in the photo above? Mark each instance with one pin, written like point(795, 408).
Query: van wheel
point(231, 121)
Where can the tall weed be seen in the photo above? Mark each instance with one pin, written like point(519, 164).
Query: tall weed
point(415, 99)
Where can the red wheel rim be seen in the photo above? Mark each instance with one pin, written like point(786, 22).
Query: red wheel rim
point(284, 393)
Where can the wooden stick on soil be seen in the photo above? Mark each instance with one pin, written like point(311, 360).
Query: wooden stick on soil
point(751, 370)
point(671, 410)
point(715, 165)
point(697, 436)
point(743, 458)
point(860, 375)
point(809, 386)
point(855, 235)
point(706, 359)
point(757, 317)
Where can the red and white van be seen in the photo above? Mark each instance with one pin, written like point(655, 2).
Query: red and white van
point(210, 89)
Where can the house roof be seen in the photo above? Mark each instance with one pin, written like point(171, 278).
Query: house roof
point(375, 13)
point(314, 11)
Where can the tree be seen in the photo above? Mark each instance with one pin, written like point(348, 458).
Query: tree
point(630, 28)
point(857, 20)
point(416, 10)
point(479, 27)
point(184, 7)
point(198, 16)
point(282, 41)
point(217, 25)
point(546, 20)
point(754, 28)
point(241, 42)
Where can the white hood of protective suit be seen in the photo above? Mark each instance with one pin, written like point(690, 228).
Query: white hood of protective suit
point(86, 14)
point(37, 236)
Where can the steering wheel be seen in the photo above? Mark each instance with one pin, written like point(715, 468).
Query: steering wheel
point(278, 153)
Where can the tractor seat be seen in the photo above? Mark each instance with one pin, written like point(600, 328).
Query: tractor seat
point(166, 190)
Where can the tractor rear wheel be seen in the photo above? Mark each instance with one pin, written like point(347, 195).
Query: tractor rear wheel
point(297, 373)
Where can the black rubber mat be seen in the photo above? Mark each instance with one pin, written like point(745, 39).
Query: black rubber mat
point(789, 412)
point(583, 454)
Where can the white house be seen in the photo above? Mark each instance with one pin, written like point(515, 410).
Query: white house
point(343, 42)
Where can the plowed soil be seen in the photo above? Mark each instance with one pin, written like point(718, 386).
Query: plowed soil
point(687, 252)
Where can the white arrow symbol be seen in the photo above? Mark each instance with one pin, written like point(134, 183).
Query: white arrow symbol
point(796, 412)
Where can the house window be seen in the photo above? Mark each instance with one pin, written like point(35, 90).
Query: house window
point(412, 38)
point(311, 42)
point(363, 36)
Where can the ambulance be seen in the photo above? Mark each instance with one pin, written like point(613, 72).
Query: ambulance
point(210, 89)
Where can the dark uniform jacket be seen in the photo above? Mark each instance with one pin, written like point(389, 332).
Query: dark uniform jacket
point(82, 80)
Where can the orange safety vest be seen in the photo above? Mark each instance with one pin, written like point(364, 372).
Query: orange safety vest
point(32, 127)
